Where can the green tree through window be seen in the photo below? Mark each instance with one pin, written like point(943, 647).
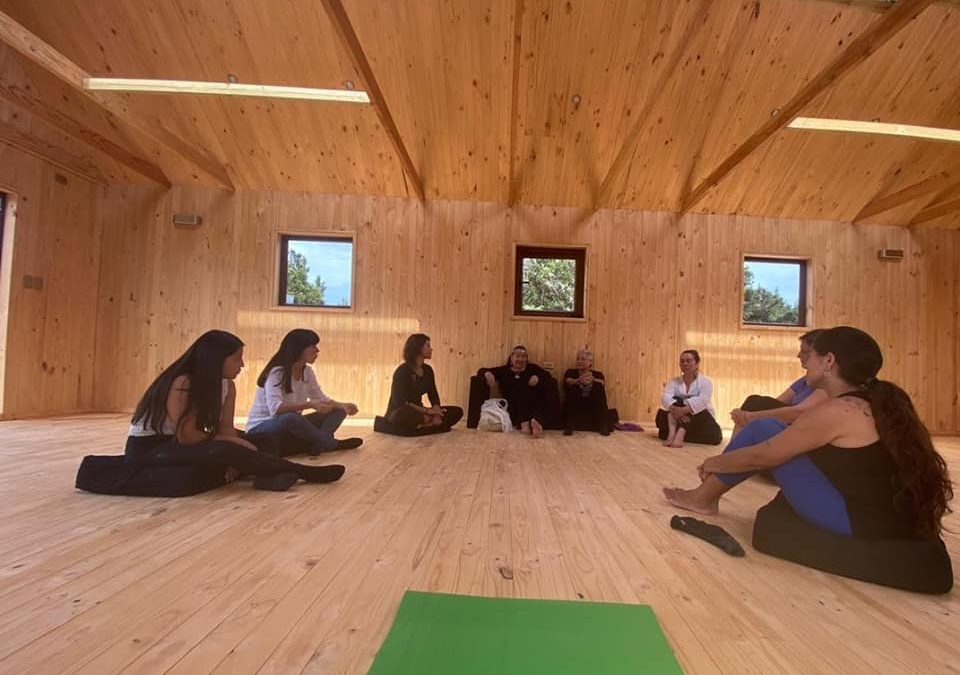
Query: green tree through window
point(765, 305)
point(299, 288)
point(549, 284)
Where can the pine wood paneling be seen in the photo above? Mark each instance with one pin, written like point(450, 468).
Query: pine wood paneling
point(656, 284)
point(50, 332)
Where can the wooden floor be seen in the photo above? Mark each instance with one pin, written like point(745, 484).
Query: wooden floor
point(240, 581)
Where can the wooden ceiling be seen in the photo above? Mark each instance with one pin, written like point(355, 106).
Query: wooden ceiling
point(589, 103)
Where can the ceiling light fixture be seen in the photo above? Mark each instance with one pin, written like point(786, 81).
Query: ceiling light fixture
point(223, 89)
point(882, 128)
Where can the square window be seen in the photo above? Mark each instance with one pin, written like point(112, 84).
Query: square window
point(774, 291)
point(316, 271)
point(549, 281)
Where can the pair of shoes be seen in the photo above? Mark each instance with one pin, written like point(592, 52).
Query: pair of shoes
point(568, 432)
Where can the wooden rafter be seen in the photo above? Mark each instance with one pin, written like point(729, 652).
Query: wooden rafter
point(925, 187)
point(880, 5)
point(348, 37)
point(54, 116)
point(946, 202)
point(865, 44)
point(58, 65)
point(78, 166)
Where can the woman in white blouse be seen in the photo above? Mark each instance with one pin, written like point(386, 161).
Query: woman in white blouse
point(686, 411)
point(288, 386)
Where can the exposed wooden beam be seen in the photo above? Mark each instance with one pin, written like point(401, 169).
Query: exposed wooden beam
point(668, 69)
point(514, 189)
point(936, 211)
point(927, 186)
point(54, 116)
point(58, 65)
point(865, 44)
point(78, 166)
point(348, 37)
point(880, 5)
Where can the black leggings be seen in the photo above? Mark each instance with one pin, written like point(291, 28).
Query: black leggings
point(166, 451)
point(701, 428)
point(755, 402)
point(586, 412)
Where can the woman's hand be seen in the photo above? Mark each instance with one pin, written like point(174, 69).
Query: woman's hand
point(586, 378)
point(533, 381)
point(231, 474)
point(350, 408)
point(678, 412)
point(741, 417)
point(435, 411)
point(708, 468)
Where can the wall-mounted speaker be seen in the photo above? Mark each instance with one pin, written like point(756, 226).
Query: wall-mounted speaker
point(891, 254)
point(187, 220)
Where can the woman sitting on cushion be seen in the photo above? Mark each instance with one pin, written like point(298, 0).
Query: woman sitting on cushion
point(859, 465)
point(519, 382)
point(186, 418)
point(686, 411)
point(411, 380)
point(586, 397)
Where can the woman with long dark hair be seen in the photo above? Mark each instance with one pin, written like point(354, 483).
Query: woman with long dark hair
point(411, 380)
point(521, 383)
point(860, 464)
point(286, 387)
point(186, 418)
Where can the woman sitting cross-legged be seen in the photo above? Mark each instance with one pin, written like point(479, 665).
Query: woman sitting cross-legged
point(788, 406)
point(860, 465)
point(411, 380)
point(186, 418)
point(286, 387)
point(686, 411)
point(585, 404)
point(520, 383)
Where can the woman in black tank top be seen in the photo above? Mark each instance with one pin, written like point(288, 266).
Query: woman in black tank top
point(861, 464)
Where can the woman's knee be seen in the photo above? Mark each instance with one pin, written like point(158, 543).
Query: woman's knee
point(758, 431)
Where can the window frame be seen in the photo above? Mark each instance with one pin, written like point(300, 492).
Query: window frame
point(577, 253)
point(280, 269)
point(803, 299)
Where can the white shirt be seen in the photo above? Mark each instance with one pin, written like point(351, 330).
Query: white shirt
point(697, 396)
point(271, 396)
point(167, 426)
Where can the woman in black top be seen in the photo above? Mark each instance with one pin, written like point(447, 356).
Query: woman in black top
point(585, 405)
point(411, 380)
point(520, 382)
point(860, 464)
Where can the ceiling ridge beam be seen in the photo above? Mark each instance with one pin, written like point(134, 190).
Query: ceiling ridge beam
point(58, 65)
point(78, 166)
point(879, 204)
point(865, 44)
point(348, 37)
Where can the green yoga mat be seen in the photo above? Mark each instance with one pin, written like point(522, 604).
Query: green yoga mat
point(437, 634)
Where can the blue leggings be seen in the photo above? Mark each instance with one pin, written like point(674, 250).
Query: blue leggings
point(809, 492)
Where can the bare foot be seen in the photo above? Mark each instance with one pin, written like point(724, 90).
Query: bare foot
point(524, 427)
point(669, 442)
point(690, 500)
point(676, 443)
point(536, 429)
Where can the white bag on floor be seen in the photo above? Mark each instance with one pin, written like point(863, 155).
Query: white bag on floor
point(494, 415)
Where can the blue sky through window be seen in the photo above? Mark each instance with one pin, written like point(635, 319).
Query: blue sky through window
point(333, 262)
point(781, 277)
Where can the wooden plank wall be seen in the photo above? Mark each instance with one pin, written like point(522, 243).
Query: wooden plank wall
point(48, 348)
point(655, 285)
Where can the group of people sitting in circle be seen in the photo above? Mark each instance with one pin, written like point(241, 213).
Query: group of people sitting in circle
point(847, 449)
